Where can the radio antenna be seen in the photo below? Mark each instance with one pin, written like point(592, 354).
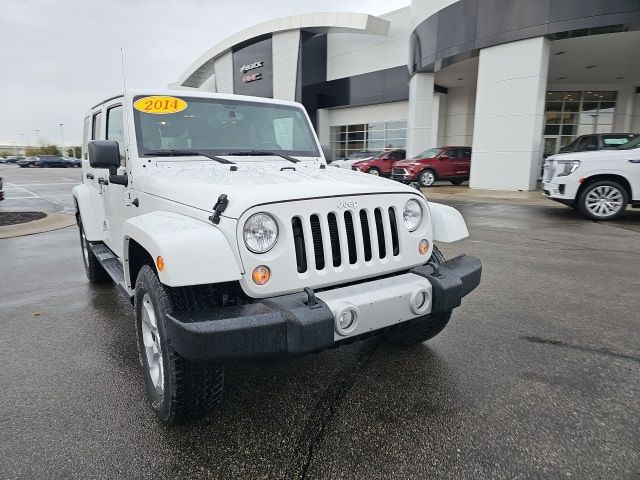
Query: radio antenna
point(124, 77)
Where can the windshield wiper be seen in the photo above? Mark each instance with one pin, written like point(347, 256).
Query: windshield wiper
point(184, 153)
point(263, 153)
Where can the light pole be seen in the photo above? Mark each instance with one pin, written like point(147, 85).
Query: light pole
point(37, 136)
point(62, 137)
point(24, 147)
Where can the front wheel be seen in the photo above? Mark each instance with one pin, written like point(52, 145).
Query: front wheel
point(374, 171)
point(603, 200)
point(177, 389)
point(426, 178)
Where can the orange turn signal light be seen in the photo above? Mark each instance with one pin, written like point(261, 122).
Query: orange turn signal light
point(423, 247)
point(261, 275)
point(160, 263)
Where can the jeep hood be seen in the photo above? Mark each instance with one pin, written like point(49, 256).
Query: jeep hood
point(199, 185)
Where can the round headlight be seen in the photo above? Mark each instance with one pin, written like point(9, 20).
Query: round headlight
point(412, 214)
point(260, 232)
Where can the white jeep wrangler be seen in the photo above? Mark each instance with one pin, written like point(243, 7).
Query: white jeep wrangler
point(217, 216)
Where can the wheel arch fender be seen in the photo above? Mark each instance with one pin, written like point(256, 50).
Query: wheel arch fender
point(612, 175)
point(448, 224)
point(90, 210)
point(194, 252)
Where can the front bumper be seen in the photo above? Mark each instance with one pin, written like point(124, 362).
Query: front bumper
point(560, 191)
point(295, 324)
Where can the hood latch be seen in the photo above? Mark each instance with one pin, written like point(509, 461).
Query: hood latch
point(218, 208)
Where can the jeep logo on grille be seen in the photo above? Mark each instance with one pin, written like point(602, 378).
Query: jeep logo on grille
point(347, 203)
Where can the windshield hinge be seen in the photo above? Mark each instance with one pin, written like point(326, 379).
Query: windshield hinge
point(218, 208)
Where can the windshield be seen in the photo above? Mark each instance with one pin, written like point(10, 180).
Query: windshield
point(432, 152)
point(220, 127)
point(635, 143)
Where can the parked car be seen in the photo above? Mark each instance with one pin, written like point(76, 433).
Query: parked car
point(600, 184)
point(44, 161)
point(242, 254)
point(73, 162)
point(598, 141)
point(352, 158)
point(451, 163)
point(380, 164)
point(1, 190)
point(13, 159)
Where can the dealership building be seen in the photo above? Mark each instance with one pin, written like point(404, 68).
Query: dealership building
point(513, 79)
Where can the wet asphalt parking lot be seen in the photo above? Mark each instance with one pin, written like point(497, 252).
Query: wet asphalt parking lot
point(536, 376)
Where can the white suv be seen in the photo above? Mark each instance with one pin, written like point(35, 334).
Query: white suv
point(218, 218)
point(599, 183)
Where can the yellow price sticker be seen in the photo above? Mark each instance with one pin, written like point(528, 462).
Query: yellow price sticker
point(160, 105)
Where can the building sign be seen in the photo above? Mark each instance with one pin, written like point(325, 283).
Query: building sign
point(253, 69)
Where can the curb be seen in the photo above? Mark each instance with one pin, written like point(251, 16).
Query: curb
point(53, 221)
point(532, 199)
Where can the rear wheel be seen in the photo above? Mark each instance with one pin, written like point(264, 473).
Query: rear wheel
point(177, 389)
point(421, 329)
point(92, 267)
point(603, 200)
point(456, 182)
point(426, 178)
point(374, 171)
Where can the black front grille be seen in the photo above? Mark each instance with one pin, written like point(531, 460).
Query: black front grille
point(350, 238)
point(398, 171)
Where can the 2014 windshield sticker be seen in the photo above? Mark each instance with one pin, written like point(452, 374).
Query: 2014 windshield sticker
point(160, 105)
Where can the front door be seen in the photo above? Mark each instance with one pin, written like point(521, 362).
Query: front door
point(117, 203)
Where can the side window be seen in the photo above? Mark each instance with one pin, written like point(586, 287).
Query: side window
point(452, 153)
point(588, 142)
point(466, 153)
point(96, 126)
point(85, 137)
point(115, 128)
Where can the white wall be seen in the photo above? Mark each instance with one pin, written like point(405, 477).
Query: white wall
point(461, 104)
point(368, 113)
point(509, 115)
point(439, 119)
point(285, 47)
point(351, 54)
point(420, 121)
point(223, 66)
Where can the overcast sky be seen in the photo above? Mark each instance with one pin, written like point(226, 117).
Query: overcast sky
point(58, 57)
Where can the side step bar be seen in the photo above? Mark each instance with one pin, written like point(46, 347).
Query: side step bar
point(111, 264)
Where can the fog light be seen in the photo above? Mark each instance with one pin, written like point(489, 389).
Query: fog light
point(346, 321)
point(261, 275)
point(419, 301)
point(160, 263)
point(423, 247)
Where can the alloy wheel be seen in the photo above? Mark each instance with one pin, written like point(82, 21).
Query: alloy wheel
point(604, 201)
point(152, 343)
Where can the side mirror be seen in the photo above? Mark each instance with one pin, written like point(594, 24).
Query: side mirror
point(106, 154)
point(328, 155)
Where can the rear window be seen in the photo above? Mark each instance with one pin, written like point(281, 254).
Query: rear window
point(616, 140)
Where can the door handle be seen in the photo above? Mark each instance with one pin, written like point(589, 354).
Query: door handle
point(634, 161)
point(89, 176)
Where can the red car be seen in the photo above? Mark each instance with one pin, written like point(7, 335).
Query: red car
point(443, 163)
point(381, 164)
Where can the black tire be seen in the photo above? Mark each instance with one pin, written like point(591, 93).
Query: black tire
point(374, 171)
point(189, 390)
point(92, 267)
point(424, 173)
point(423, 328)
point(598, 189)
point(456, 182)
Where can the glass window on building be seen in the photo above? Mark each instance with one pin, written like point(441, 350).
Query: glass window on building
point(569, 114)
point(368, 137)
